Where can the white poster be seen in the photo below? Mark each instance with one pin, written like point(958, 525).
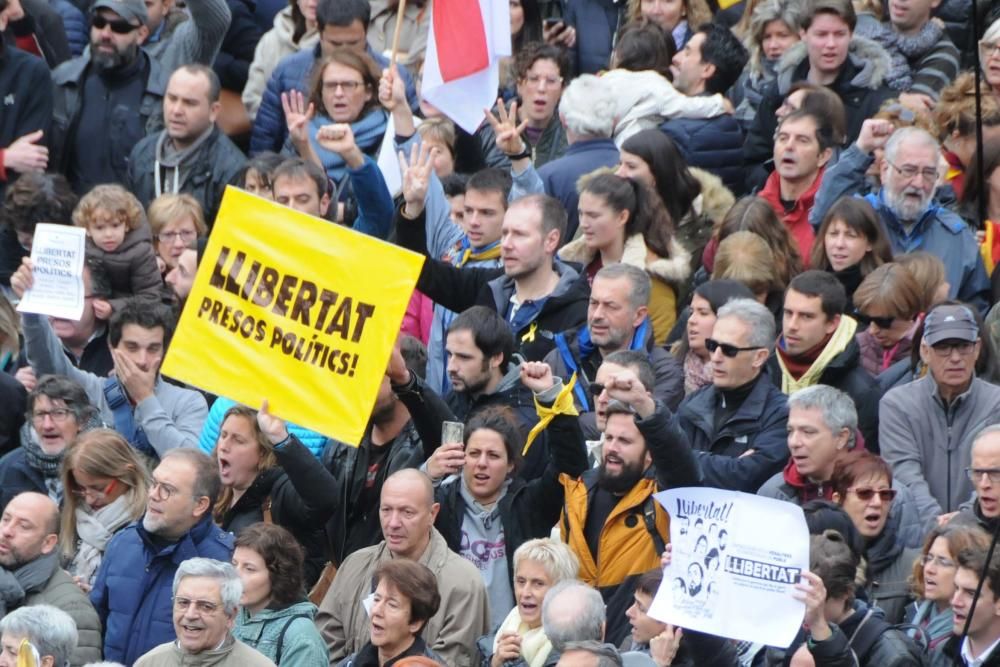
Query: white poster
point(57, 252)
point(736, 558)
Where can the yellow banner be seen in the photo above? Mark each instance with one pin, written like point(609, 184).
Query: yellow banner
point(294, 309)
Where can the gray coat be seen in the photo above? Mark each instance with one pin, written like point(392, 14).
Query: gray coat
point(929, 445)
point(62, 593)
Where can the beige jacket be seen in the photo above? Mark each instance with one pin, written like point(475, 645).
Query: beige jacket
point(412, 36)
point(233, 654)
point(462, 618)
point(275, 44)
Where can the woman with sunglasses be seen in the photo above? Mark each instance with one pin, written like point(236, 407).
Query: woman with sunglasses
point(887, 304)
point(862, 486)
point(106, 490)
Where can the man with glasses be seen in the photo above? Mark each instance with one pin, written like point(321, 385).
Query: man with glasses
point(905, 204)
point(133, 591)
point(736, 425)
point(206, 600)
point(984, 473)
point(30, 572)
point(927, 427)
point(192, 155)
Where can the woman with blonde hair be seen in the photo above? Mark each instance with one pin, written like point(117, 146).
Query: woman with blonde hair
point(678, 18)
point(176, 221)
point(747, 258)
point(106, 484)
point(929, 272)
point(753, 214)
point(772, 29)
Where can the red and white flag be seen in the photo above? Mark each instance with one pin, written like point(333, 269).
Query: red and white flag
point(465, 42)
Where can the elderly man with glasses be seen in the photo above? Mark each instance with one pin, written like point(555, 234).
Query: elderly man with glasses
point(132, 592)
point(910, 216)
point(927, 427)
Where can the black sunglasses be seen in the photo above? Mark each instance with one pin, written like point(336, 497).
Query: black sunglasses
point(728, 350)
point(595, 389)
point(867, 493)
point(882, 322)
point(118, 26)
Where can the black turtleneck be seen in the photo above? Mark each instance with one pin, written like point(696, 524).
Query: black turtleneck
point(728, 401)
point(850, 278)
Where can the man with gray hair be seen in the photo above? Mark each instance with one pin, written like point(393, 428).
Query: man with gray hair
point(591, 654)
point(984, 471)
point(617, 319)
point(736, 425)
point(905, 205)
point(572, 611)
point(206, 599)
point(50, 632)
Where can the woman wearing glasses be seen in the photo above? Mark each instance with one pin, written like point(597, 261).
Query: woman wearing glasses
point(106, 486)
point(862, 486)
point(933, 579)
point(887, 305)
point(176, 221)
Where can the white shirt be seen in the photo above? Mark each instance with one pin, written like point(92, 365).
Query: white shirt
point(976, 662)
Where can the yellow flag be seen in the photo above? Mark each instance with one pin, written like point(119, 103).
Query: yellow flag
point(27, 654)
point(294, 309)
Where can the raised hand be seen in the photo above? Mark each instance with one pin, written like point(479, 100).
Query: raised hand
point(22, 279)
point(273, 427)
point(812, 592)
point(537, 376)
point(506, 129)
point(626, 388)
point(391, 90)
point(663, 647)
point(339, 138)
point(397, 371)
point(874, 134)
point(417, 172)
point(26, 154)
point(446, 460)
point(297, 116)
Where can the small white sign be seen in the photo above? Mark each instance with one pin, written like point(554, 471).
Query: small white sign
point(57, 252)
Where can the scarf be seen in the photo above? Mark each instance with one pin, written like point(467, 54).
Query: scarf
point(368, 131)
point(29, 578)
point(95, 530)
point(535, 646)
point(169, 158)
point(47, 464)
point(919, 44)
point(838, 342)
point(697, 373)
point(464, 252)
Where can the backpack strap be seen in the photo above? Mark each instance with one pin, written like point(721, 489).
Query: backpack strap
point(124, 418)
point(867, 633)
point(649, 515)
point(281, 637)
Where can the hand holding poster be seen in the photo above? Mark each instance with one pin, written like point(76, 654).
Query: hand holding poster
point(733, 552)
point(57, 255)
point(294, 309)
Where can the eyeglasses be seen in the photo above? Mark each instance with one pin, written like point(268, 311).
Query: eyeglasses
point(187, 236)
point(549, 81)
point(161, 490)
point(81, 491)
point(728, 350)
point(976, 474)
point(203, 606)
point(596, 389)
point(346, 86)
point(945, 349)
point(909, 172)
point(989, 48)
point(881, 322)
point(118, 26)
point(58, 415)
point(866, 493)
point(941, 562)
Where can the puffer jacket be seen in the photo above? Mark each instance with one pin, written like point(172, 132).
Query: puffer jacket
point(550, 146)
point(61, 592)
point(713, 144)
point(759, 423)
point(861, 86)
point(273, 46)
point(626, 547)
point(232, 62)
point(290, 628)
point(131, 267)
point(133, 590)
point(75, 24)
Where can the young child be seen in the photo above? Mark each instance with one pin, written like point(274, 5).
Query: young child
point(118, 237)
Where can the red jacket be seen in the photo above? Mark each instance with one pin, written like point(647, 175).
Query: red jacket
point(797, 220)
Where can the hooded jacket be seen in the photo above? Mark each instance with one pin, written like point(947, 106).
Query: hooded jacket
point(861, 86)
point(292, 627)
point(462, 617)
point(509, 392)
point(550, 146)
point(928, 444)
point(275, 44)
point(131, 267)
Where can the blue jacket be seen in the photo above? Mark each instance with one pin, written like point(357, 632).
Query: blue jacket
point(759, 423)
point(713, 144)
point(134, 585)
point(560, 176)
point(77, 30)
point(292, 73)
point(313, 441)
point(939, 231)
point(596, 22)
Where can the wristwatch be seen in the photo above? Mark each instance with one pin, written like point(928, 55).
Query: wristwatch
point(526, 152)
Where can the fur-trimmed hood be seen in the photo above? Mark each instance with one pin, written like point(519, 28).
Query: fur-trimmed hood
point(868, 58)
point(673, 270)
point(715, 199)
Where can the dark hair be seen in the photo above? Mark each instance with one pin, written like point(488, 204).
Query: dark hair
point(490, 333)
point(283, 557)
point(643, 45)
point(535, 51)
point(206, 477)
point(649, 582)
point(455, 184)
point(720, 292)
point(414, 354)
point(842, 9)
point(859, 215)
point(550, 210)
point(826, 104)
point(677, 186)
point(296, 168)
point(858, 465)
point(299, 26)
point(824, 285)
point(342, 13)
point(974, 559)
point(361, 63)
point(639, 362)
point(143, 314)
point(501, 420)
point(214, 86)
point(263, 163)
point(646, 213)
point(824, 133)
point(754, 214)
point(823, 515)
point(416, 582)
point(833, 561)
point(970, 195)
point(35, 198)
point(61, 388)
point(531, 30)
point(491, 179)
point(726, 52)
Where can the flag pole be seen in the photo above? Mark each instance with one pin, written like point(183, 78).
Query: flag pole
point(395, 35)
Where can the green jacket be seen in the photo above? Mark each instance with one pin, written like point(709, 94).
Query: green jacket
point(290, 628)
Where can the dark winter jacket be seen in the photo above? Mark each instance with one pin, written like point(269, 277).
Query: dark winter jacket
point(949, 654)
point(712, 144)
point(560, 175)
point(13, 405)
point(133, 589)
point(75, 24)
point(596, 23)
point(759, 423)
point(551, 146)
point(302, 496)
point(131, 267)
point(232, 64)
point(61, 592)
point(42, 28)
point(528, 509)
point(27, 106)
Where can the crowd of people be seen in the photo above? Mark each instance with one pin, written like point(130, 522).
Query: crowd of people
point(710, 243)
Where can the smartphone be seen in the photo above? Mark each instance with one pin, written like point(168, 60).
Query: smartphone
point(552, 22)
point(452, 431)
